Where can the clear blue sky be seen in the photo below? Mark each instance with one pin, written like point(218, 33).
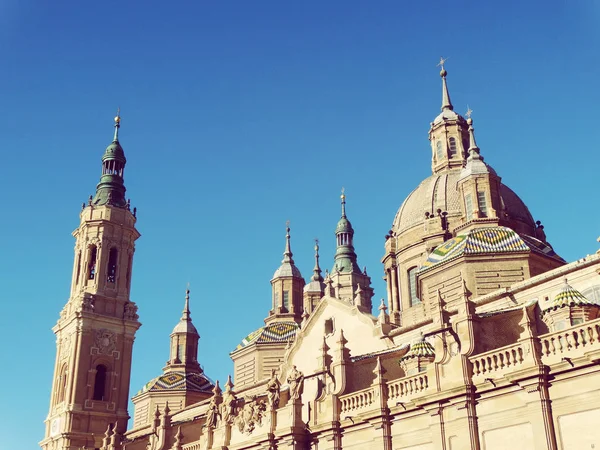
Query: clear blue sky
point(238, 116)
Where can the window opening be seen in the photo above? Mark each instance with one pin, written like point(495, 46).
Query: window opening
point(100, 382)
point(439, 151)
point(112, 265)
point(92, 262)
point(469, 206)
point(412, 286)
point(483, 211)
point(452, 142)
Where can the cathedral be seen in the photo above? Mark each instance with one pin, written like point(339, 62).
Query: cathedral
point(487, 339)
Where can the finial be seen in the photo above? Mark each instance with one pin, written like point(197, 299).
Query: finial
point(317, 269)
point(382, 307)
point(186, 309)
point(287, 254)
point(473, 149)
point(446, 103)
point(343, 198)
point(117, 124)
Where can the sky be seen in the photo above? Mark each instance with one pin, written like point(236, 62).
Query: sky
point(238, 116)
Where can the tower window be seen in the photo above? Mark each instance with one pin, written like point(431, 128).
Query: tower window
point(483, 211)
point(61, 387)
point(112, 265)
point(412, 286)
point(286, 299)
point(439, 151)
point(92, 262)
point(452, 142)
point(469, 206)
point(100, 383)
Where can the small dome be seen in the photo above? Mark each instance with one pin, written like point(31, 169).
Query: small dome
point(569, 296)
point(185, 326)
point(344, 226)
point(276, 332)
point(114, 151)
point(440, 191)
point(287, 270)
point(421, 349)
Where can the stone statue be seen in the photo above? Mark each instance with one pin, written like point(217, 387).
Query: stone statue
point(273, 389)
point(296, 381)
point(212, 414)
point(228, 406)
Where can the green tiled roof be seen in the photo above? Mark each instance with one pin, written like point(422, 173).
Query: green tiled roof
point(569, 296)
point(421, 349)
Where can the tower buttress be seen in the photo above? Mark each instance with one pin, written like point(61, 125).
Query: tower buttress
point(97, 326)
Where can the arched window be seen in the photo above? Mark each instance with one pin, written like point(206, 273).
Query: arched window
point(100, 383)
point(112, 265)
point(412, 286)
point(93, 253)
point(439, 152)
point(452, 143)
point(61, 385)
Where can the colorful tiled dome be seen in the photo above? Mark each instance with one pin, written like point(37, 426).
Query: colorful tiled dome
point(179, 381)
point(272, 333)
point(569, 296)
point(421, 348)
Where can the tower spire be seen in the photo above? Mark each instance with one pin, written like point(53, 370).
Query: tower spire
point(317, 270)
point(446, 103)
point(287, 254)
point(343, 198)
point(111, 188)
point(186, 309)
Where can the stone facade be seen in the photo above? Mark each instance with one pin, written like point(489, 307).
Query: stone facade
point(489, 339)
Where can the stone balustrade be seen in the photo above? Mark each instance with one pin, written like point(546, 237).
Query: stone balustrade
point(359, 400)
point(498, 361)
point(406, 387)
point(571, 342)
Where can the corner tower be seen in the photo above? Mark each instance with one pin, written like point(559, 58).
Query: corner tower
point(183, 381)
point(97, 326)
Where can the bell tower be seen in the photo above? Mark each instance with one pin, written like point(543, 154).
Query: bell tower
point(96, 328)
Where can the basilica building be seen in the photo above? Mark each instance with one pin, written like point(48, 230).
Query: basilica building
point(487, 338)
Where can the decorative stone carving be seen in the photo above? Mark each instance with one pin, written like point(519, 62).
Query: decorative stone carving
point(130, 312)
point(65, 347)
point(273, 391)
point(212, 415)
point(251, 415)
point(88, 303)
point(106, 341)
point(295, 380)
point(228, 408)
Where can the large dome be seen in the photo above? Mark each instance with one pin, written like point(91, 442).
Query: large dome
point(440, 191)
